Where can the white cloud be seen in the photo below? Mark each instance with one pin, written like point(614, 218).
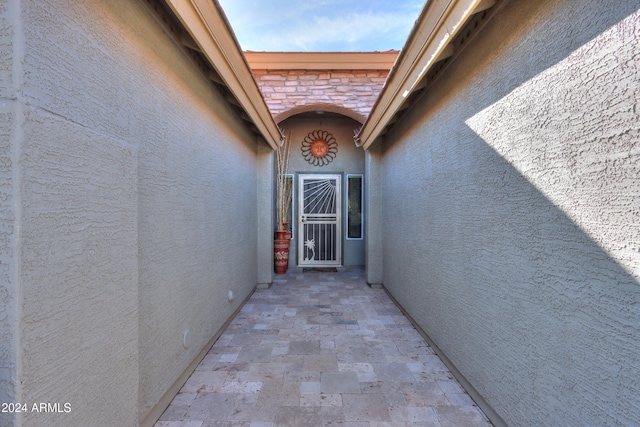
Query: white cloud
point(322, 25)
point(386, 30)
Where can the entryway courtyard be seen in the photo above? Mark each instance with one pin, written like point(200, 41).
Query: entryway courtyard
point(321, 349)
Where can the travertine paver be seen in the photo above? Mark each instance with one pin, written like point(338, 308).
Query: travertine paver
point(321, 349)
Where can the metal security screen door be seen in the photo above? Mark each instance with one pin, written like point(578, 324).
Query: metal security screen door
point(319, 241)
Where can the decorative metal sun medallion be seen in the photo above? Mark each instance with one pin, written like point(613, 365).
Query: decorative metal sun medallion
point(319, 148)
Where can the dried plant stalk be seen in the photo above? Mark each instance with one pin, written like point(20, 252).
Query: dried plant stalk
point(283, 191)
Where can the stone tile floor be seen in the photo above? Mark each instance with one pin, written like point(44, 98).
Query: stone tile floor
point(321, 349)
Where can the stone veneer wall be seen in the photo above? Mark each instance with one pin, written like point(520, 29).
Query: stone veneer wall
point(355, 90)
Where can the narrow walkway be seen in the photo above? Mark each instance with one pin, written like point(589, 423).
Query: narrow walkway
point(321, 349)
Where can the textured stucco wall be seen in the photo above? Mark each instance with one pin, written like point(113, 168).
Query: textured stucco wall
point(266, 215)
point(135, 192)
point(10, 129)
point(511, 230)
point(8, 294)
point(349, 160)
point(9, 43)
point(373, 216)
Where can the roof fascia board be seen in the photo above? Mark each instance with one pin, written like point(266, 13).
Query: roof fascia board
point(321, 60)
point(210, 30)
point(438, 24)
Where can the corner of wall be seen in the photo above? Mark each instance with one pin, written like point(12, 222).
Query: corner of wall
point(264, 243)
point(373, 215)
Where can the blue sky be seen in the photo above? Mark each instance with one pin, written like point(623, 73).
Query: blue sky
point(321, 25)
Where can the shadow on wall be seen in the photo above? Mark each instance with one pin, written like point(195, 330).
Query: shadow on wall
point(526, 205)
point(571, 134)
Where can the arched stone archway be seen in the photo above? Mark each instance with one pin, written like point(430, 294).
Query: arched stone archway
point(320, 108)
point(293, 83)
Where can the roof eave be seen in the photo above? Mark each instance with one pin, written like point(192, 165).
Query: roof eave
point(207, 25)
point(437, 26)
point(321, 60)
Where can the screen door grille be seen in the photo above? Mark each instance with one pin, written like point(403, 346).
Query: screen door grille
point(320, 242)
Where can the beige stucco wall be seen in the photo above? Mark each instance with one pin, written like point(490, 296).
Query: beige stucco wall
point(349, 160)
point(128, 208)
point(510, 213)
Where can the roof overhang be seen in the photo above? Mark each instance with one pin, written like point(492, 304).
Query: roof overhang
point(207, 25)
point(321, 60)
point(430, 41)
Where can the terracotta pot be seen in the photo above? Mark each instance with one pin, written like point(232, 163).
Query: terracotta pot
point(286, 227)
point(281, 251)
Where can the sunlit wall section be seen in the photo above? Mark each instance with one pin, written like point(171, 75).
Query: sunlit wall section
point(576, 139)
point(511, 231)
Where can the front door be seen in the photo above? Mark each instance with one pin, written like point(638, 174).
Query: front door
point(319, 238)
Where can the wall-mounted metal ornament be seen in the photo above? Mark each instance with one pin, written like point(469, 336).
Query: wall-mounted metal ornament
point(319, 148)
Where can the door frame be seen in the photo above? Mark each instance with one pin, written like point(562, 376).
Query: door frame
point(301, 221)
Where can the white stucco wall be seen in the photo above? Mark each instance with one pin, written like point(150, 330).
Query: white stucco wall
point(510, 213)
point(134, 188)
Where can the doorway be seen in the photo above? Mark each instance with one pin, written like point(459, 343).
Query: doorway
point(319, 221)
